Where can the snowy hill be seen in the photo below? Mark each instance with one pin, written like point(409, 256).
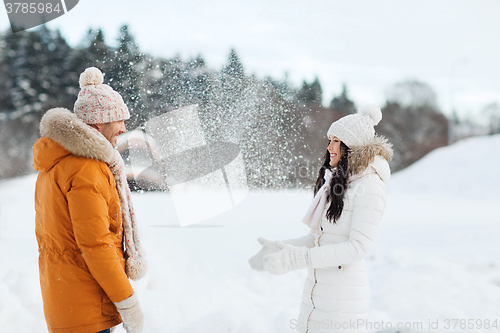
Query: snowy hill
point(467, 169)
point(457, 184)
point(436, 256)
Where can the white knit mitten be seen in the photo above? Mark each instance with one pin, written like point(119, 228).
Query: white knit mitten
point(268, 247)
point(131, 313)
point(287, 259)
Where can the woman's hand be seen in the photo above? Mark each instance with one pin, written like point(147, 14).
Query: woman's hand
point(268, 247)
point(287, 259)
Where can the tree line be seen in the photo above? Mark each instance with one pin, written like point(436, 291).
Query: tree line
point(279, 127)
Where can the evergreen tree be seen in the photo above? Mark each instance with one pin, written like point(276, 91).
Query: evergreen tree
point(53, 71)
point(173, 83)
point(198, 81)
point(98, 50)
point(34, 71)
point(33, 76)
point(233, 82)
point(234, 67)
point(342, 103)
point(310, 93)
point(316, 92)
point(124, 76)
point(6, 79)
point(16, 63)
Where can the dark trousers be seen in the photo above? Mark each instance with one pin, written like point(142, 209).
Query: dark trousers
point(105, 331)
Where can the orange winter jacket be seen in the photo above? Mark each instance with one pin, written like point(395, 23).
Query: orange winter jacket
point(79, 234)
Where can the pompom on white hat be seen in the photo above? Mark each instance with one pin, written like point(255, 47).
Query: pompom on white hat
point(357, 130)
point(98, 103)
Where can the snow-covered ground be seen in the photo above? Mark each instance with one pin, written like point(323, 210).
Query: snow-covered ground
point(436, 256)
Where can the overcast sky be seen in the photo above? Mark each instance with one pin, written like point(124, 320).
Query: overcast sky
point(453, 45)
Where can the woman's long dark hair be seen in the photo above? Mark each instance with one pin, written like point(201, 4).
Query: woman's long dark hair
point(338, 184)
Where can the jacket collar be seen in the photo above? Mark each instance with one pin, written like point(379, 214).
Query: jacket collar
point(65, 128)
point(371, 158)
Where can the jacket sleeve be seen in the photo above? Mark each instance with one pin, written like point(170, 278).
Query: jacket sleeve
point(367, 210)
point(89, 213)
point(304, 241)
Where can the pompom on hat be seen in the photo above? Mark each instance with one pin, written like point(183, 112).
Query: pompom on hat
point(98, 103)
point(357, 130)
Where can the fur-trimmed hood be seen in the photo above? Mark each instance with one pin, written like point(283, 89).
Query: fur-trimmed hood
point(76, 137)
point(371, 158)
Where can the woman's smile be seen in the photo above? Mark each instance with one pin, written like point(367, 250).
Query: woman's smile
point(335, 150)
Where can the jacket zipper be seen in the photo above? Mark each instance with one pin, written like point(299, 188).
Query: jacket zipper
point(310, 313)
point(312, 290)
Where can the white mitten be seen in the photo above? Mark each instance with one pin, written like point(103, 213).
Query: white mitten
point(268, 247)
point(287, 259)
point(131, 313)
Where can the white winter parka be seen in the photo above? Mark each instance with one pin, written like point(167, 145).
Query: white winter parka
point(336, 296)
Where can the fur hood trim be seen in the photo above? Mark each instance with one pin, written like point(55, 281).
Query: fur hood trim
point(65, 128)
point(375, 154)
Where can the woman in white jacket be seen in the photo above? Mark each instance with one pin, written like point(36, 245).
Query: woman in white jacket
point(349, 201)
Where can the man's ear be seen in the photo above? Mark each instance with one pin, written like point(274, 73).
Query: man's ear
point(96, 126)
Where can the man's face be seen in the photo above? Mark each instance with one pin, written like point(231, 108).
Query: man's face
point(112, 130)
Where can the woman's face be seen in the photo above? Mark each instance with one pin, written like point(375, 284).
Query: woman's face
point(335, 151)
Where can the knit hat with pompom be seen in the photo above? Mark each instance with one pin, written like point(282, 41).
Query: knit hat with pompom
point(98, 103)
point(357, 130)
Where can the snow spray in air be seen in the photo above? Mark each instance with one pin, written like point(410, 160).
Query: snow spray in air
point(205, 179)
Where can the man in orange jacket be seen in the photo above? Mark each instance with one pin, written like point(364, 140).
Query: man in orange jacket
point(85, 225)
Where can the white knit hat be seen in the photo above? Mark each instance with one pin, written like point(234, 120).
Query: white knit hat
point(357, 130)
point(98, 103)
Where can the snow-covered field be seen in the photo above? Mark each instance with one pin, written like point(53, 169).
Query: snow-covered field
point(436, 257)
